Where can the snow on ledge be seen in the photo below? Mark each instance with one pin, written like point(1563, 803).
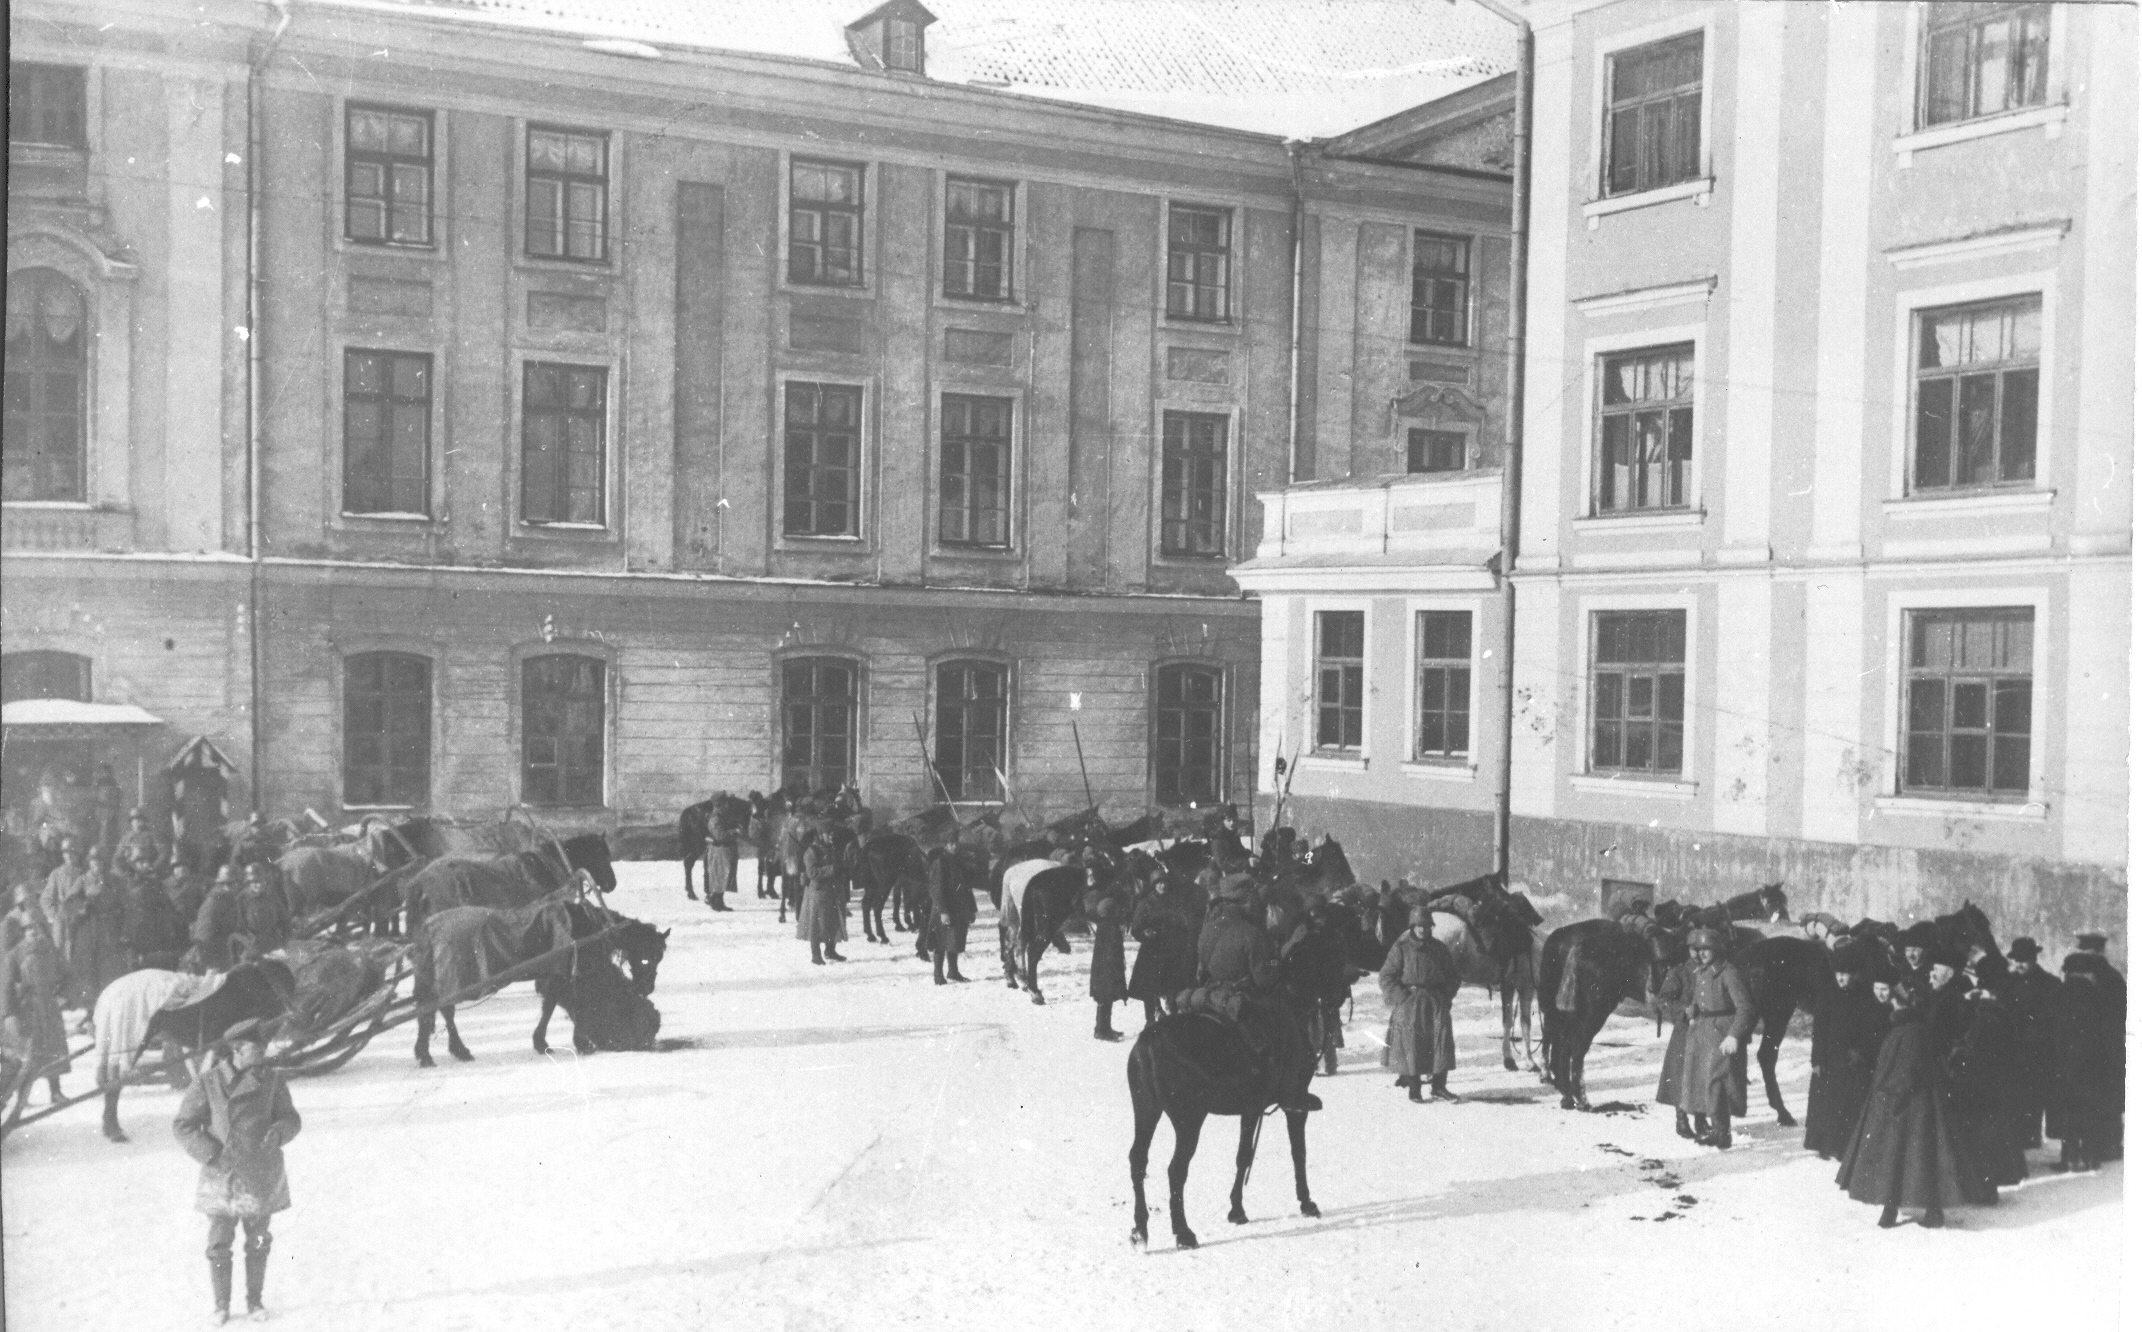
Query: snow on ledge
point(67, 712)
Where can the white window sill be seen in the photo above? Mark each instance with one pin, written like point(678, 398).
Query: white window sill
point(1936, 503)
point(75, 506)
point(1641, 788)
point(829, 538)
point(565, 527)
point(1441, 772)
point(1355, 762)
point(1640, 520)
point(854, 291)
point(2034, 811)
point(2052, 117)
point(398, 518)
point(1698, 189)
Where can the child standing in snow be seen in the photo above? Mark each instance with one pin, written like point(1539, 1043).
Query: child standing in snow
point(234, 1121)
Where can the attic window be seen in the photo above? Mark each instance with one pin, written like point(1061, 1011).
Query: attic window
point(903, 45)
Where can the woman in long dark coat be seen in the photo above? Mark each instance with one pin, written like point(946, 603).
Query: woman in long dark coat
point(1167, 948)
point(1983, 1071)
point(2090, 1066)
point(1904, 1151)
point(1849, 1027)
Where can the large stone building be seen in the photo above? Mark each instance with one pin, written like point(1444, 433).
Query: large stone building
point(452, 406)
point(1825, 546)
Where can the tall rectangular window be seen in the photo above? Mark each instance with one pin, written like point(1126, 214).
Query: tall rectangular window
point(564, 418)
point(825, 223)
point(1442, 287)
point(1639, 674)
point(1443, 727)
point(44, 435)
point(1340, 638)
point(974, 472)
point(1193, 484)
point(386, 176)
point(972, 728)
point(903, 45)
point(562, 730)
point(1654, 120)
point(822, 460)
point(818, 711)
point(386, 432)
point(568, 194)
point(1967, 702)
point(1647, 429)
point(1435, 450)
point(47, 104)
point(1977, 390)
point(386, 730)
point(1186, 725)
point(978, 239)
point(1981, 60)
point(1200, 245)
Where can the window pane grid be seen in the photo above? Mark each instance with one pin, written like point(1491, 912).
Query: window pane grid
point(562, 730)
point(1981, 60)
point(825, 223)
point(1435, 451)
point(387, 176)
point(44, 441)
point(974, 485)
point(1199, 249)
point(1654, 115)
point(1340, 638)
point(386, 730)
point(822, 459)
point(47, 104)
point(386, 432)
point(1976, 422)
point(1441, 288)
point(971, 729)
point(568, 195)
point(1444, 725)
point(1967, 702)
point(1193, 484)
point(1638, 682)
point(978, 239)
point(1646, 430)
point(564, 417)
point(819, 701)
point(1186, 759)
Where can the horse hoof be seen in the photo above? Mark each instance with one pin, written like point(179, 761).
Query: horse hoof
point(1137, 1239)
point(1039, 1001)
point(463, 1055)
point(1185, 1240)
point(1509, 1065)
point(1569, 1103)
point(1310, 1208)
point(542, 1049)
point(1785, 1120)
point(425, 1062)
point(115, 1135)
point(1238, 1217)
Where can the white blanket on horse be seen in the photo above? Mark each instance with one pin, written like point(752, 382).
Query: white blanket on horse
point(124, 1008)
point(1016, 878)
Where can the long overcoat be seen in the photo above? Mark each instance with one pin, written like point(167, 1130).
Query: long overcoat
point(950, 896)
point(1716, 1004)
point(1167, 948)
point(1419, 979)
point(213, 925)
point(1108, 983)
point(2090, 1068)
point(824, 917)
point(1849, 1026)
point(235, 1124)
point(1904, 1151)
point(1983, 1071)
point(65, 901)
point(32, 977)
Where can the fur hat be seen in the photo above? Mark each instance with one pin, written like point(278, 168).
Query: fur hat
point(1921, 935)
point(1705, 939)
point(1943, 957)
point(1880, 971)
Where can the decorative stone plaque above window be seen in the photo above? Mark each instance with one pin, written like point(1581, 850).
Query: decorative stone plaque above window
point(822, 333)
point(556, 310)
point(1439, 372)
point(388, 296)
point(977, 347)
point(1197, 365)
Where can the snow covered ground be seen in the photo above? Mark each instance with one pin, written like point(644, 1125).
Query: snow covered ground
point(853, 1147)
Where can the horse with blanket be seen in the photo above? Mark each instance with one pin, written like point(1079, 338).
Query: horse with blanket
point(182, 1014)
point(505, 880)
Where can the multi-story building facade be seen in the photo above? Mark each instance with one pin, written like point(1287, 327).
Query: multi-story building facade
point(568, 420)
point(1825, 546)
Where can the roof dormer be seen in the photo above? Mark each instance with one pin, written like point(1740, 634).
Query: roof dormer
point(889, 37)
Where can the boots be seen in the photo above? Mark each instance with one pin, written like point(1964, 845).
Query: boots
point(816, 959)
point(1440, 1089)
point(1413, 1090)
point(1103, 1029)
point(219, 1280)
point(937, 967)
point(1720, 1134)
point(256, 1276)
point(952, 970)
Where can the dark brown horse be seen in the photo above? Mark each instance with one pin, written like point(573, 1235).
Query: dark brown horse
point(1586, 970)
point(461, 953)
point(1188, 1066)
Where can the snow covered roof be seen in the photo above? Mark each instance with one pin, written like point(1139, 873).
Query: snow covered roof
point(1296, 68)
point(67, 712)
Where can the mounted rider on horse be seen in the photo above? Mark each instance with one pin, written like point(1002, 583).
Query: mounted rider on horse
point(1238, 980)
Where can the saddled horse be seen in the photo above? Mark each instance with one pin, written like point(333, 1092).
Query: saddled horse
point(1038, 898)
point(695, 824)
point(130, 1018)
point(1585, 972)
point(462, 952)
point(1766, 903)
point(326, 878)
point(1495, 947)
point(504, 880)
point(1188, 1066)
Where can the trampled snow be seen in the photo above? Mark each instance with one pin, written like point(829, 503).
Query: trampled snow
point(849, 1146)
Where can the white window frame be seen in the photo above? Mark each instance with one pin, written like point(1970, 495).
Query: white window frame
point(933, 454)
point(1471, 239)
point(613, 446)
point(865, 535)
point(613, 696)
point(1464, 766)
point(1339, 760)
point(2052, 116)
point(614, 218)
point(1596, 350)
point(1913, 301)
point(1237, 316)
point(873, 205)
point(940, 219)
point(439, 251)
point(1901, 603)
point(1597, 203)
point(1233, 499)
point(1694, 685)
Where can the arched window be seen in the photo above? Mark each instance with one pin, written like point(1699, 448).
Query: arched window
point(386, 730)
point(1186, 736)
point(818, 711)
point(562, 730)
point(44, 675)
point(44, 445)
point(973, 728)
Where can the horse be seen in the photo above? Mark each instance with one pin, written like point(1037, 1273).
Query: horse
point(1585, 971)
point(1037, 899)
point(462, 949)
point(1188, 1066)
point(508, 880)
point(129, 1018)
point(599, 998)
point(892, 868)
point(317, 878)
point(1784, 973)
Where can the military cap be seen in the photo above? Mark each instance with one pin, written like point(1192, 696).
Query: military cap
point(1705, 939)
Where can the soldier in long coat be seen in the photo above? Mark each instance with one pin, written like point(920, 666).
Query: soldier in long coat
point(1167, 948)
point(216, 922)
point(235, 1120)
point(1849, 1026)
point(265, 914)
point(2033, 992)
point(32, 977)
point(1714, 1053)
point(2090, 1073)
point(1419, 979)
point(1106, 983)
point(139, 855)
point(824, 918)
point(951, 913)
point(88, 924)
point(1236, 960)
